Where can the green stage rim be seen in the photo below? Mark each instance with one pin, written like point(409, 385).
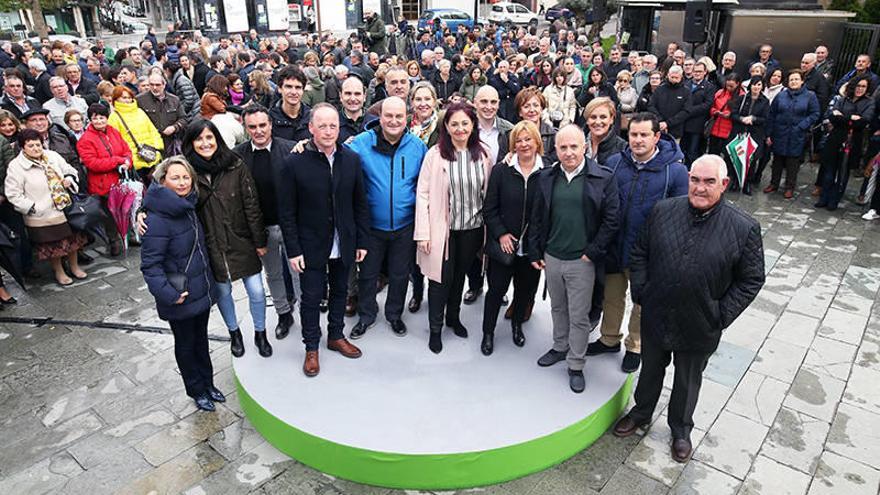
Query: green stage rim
point(434, 471)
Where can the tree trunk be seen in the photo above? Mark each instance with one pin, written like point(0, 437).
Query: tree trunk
point(39, 21)
point(599, 20)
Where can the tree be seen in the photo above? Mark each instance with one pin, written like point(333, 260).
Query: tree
point(36, 7)
point(600, 9)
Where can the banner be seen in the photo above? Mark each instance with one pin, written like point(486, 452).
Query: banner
point(236, 16)
point(278, 12)
point(741, 149)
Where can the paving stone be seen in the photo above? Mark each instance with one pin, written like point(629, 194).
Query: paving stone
point(858, 289)
point(869, 350)
point(248, 472)
point(779, 360)
point(839, 475)
point(768, 476)
point(731, 444)
point(795, 328)
point(843, 326)
point(758, 397)
point(700, 479)
point(652, 454)
point(749, 330)
point(627, 481)
point(235, 439)
point(814, 393)
point(42, 477)
point(303, 480)
point(796, 440)
point(862, 389)
point(124, 465)
point(854, 434)
point(728, 364)
point(593, 467)
point(713, 397)
point(831, 357)
point(168, 443)
point(102, 446)
point(178, 473)
point(85, 397)
point(42, 443)
point(814, 298)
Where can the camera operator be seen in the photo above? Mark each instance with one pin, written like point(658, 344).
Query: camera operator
point(374, 33)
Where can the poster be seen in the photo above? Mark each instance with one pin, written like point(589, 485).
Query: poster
point(236, 16)
point(278, 15)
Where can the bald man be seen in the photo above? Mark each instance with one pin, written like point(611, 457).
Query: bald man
point(574, 218)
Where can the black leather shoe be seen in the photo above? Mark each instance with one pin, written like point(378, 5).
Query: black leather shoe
point(519, 339)
point(626, 426)
point(631, 362)
point(820, 204)
point(237, 344)
point(360, 329)
point(204, 403)
point(551, 357)
point(488, 344)
point(84, 259)
point(598, 347)
point(285, 321)
point(435, 342)
point(262, 344)
point(458, 329)
point(324, 305)
point(216, 395)
point(576, 381)
point(415, 304)
point(8, 302)
point(398, 327)
point(471, 296)
point(681, 450)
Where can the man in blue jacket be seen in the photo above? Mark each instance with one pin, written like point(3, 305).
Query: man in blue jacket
point(648, 170)
point(391, 159)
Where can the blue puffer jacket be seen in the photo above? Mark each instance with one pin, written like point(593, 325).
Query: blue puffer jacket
point(665, 176)
point(172, 227)
point(792, 113)
point(390, 177)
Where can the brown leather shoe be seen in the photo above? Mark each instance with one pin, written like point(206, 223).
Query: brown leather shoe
point(625, 427)
point(311, 366)
point(351, 306)
point(681, 450)
point(771, 189)
point(344, 347)
point(789, 193)
point(817, 190)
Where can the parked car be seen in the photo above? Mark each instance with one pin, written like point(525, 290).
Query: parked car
point(452, 18)
point(507, 13)
point(558, 11)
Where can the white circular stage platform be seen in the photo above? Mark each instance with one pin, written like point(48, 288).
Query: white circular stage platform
point(403, 417)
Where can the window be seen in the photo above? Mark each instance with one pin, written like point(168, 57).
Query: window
point(497, 8)
point(521, 10)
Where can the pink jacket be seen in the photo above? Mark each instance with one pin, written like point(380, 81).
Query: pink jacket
point(432, 211)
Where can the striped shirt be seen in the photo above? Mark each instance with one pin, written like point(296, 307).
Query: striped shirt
point(465, 192)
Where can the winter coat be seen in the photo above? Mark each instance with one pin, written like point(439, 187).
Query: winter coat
point(375, 30)
point(758, 109)
point(832, 153)
point(816, 82)
point(229, 210)
point(469, 87)
point(287, 128)
point(608, 147)
point(102, 154)
point(390, 177)
point(721, 111)
point(63, 142)
point(699, 106)
point(507, 207)
point(665, 176)
point(694, 273)
point(507, 92)
point(7, 104)
point(211, 105)
point(644, 99)
point(561, 100)
point(7, 154)
point(168, 111)
point(771, 91)
point(141, 127)
point(27, 189)
point(669, 103)
point(173, 233)
point(314, 92)
point(86, 89)
point(432, 211)
point(445, 88)
point(185, 90)
point(792, 114)
point(605, 89)
point(628, 99)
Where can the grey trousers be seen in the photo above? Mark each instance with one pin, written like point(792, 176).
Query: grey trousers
point(571, 289)
point(273, 264)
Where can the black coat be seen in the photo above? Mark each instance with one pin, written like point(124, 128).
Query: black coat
point(42, 92)
point(644, 99)
point(287, 128)
point(199, 79)
point(698, 107)
point(600, 203)
point(278, 153)
point(87, 89)
point(832, 153)
point(508, 204)
point(816, 82)
point(445, 88)
point(315, 201)
point(608, 147)
point(670, 104)
point(507, 92)
point(744, 106)
point(693, 274)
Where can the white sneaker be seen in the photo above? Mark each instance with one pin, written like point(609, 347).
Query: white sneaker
point(871, 215)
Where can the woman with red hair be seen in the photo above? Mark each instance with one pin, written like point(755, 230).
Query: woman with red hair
point(136, 129)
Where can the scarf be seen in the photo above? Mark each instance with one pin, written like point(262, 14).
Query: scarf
point(236, 97)
point(60, 197)
point(425, 129)
point(202, 166)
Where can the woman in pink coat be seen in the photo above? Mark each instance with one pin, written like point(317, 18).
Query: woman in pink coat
point(449, 216)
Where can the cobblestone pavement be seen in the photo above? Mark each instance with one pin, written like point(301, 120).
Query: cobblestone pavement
point(790, 403)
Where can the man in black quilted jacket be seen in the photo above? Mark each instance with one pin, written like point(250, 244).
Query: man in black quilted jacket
point(697, 264)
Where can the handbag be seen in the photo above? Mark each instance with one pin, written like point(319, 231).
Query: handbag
point(145, 152)
point(179, 280)
point(85, 213)
point(707, 127)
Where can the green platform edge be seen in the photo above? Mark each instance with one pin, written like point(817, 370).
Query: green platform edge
point(434, 471)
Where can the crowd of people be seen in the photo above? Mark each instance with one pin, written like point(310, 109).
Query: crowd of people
point(335, 168)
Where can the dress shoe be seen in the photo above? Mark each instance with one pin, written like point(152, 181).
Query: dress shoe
point(360, 329)
point(528, 314)
point(324, 305)
point(789, 194)
point(488, 344)
point(626, 426)
point(551, 357)
point(237, 344)
point(597, 347)
point(576, 381)
point(398, 327)
point(344, 347)
point(285, 321)
point(820, 204)
point(204, 403)
point(262, 344)
point(816, 191)
point(471, 296)
point(8, 302)
point(458, 329)
point(509, 313)
point(351, 306)
point(681, 450)
point(519, 339)
point(216, 395)
point(415, 304)
point(311, 366)
point(771, 189)
point(631, 362)
point(83, 259)
point(435, 342)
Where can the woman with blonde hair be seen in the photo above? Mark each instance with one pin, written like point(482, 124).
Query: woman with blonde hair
point(413, 71)
point(261, 91)
point(9, 127)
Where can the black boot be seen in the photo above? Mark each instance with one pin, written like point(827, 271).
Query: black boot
point(488, 344)
point(262, 344)
point(237, 343)
point(285, 321)
point(519, 339)
point(435, 342)
point(747, 188)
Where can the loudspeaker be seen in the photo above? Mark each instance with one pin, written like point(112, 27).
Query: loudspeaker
point(696, 21)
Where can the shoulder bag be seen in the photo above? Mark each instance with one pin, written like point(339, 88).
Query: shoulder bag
point(179, 280)
point(145, 152)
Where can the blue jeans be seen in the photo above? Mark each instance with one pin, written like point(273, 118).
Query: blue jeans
point(253, 284)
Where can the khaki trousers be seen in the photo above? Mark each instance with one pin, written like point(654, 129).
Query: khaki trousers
point(612, 318)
